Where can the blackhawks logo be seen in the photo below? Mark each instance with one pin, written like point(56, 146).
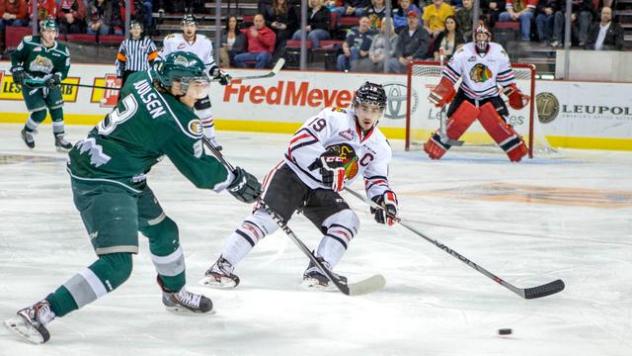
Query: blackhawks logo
point(349, 158)
point(480, 73)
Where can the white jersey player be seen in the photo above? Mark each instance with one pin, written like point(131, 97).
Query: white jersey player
point(330, 150)
point(190, 41)
point(483, 66)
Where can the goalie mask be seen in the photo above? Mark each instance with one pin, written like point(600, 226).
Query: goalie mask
point(482, 36)
point(182, 67)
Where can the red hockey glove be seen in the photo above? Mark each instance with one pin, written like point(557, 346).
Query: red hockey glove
point(332, 170)
point(443, 93)
point(517, 100)
point(388, 215)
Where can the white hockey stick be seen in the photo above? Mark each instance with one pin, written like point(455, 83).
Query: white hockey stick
point(526, 293)
point(275, 70)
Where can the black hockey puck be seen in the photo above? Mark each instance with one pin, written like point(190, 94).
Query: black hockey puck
point(504, 331)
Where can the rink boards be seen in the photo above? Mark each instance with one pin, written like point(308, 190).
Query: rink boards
point(571, 114)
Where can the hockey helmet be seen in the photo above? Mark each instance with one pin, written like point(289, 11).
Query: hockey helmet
point(188, 19)
point(481, 44)
point(49, 25)
point(136, 23)
point(184, 67)
point(370, 93)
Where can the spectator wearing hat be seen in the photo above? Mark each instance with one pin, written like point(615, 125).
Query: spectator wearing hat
point(401, 13)
point(412, 43)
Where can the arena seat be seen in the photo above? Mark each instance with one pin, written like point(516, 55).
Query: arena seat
point(81, 38)
point(111, 39)
point(14, 34)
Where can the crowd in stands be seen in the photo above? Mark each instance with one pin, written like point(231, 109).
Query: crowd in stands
point(420, 29)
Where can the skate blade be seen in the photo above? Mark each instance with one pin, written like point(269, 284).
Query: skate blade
point(314, 284)
point(25, 331)
point(179, 310)
point(222, 283)
point(62, 150)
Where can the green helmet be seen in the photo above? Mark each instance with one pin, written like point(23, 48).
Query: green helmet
point(181, 66)
point(48, 24)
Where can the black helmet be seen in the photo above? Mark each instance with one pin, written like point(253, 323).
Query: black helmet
point(189, 19)
point(370, 93)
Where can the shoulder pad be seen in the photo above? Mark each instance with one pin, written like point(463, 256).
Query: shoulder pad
point(337, 109)
point(28, 38)
point(170, 37)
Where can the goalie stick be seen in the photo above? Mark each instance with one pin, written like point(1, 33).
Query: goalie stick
point(364, 286)
point(275, 70)
point(526, 293)
point(443, 130)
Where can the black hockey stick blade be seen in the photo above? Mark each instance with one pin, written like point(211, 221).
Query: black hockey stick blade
point(543, 290)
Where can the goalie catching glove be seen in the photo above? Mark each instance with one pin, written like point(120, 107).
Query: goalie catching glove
point(245, 187)
point(443, 93)
point(388, 201)
point(221, 77)
point(332, 170)
point(517, 100)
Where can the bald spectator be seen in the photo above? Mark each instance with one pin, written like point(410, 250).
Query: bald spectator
point(356, 45)
point(260, 40)
point(605, 35)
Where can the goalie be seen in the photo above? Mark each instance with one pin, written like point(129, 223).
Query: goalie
point(483, 67)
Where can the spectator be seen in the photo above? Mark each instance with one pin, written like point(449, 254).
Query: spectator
point(491, 11)
point(412, 43)
point(233, 43)
point(12, 13)
point(260, 40)
point(283, 20)
point(377, 52)
point(545, 19)
point(605, 35)
point(103, 18)
point(449, 40)
point(464, 20)
point(352, 8)
point(435, 15)
point(71, 15)
point(520, 10)
point(45, 9)
point(356, 45)
point(376, 13)
point(317, 24)
point(400, 14)
point(579, 24)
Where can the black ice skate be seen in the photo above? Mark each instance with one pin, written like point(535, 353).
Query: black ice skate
point(215, 143)
point(30, 322)
point(220, 275)
point(186, 302)
point(61, 144)
point(313, 277)
point(28, 138)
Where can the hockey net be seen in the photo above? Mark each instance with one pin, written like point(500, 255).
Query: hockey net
point(422, 118)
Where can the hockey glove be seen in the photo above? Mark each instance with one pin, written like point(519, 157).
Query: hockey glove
point(245, 187)
point(18, 75)
point(53, 81)
point(221, 77)
point(517, 100)
point(332, 170)
point(388, 215)
point(443, 93)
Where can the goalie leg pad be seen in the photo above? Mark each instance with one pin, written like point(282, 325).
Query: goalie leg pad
point(458, 123)
point(503, 133)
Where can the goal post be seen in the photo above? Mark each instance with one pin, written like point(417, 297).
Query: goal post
point(422, 118)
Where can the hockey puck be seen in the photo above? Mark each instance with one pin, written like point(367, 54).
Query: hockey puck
point(504, 331)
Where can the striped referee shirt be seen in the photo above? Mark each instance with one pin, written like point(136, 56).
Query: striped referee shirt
point(135, 55)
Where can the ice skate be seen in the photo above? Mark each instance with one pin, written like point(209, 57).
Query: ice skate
point(220, 275)
point(186, 302)
point(313, 277)
point(28, 137)
point(215, 143)
point(62, 144)
point(30, 322)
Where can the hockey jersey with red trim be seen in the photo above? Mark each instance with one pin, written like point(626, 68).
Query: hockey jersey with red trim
point(364, 155)
point(481, 74)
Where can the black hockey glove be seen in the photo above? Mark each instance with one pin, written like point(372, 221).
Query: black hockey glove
point(221, 77)
point(332, 170)
point(388, 215)
point(245, 187)
point(53, 81)
point(18, 75)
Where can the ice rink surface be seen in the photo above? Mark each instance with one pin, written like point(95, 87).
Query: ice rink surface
point(567, 215)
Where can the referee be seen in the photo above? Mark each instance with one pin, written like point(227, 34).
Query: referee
point(135, 53)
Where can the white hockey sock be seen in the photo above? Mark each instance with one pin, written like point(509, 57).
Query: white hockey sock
point(331, 250)
point(236, 248)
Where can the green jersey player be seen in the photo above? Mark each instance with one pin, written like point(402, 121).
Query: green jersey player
point(39, 65)
point(155, 118)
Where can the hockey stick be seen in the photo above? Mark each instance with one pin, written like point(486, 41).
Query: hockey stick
point(275, 70)
point(526, 293)
point(443, 134)
point(90, 86)
point(365, 286)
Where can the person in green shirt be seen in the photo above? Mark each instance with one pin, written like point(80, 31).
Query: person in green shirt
point(155, 118)
point(38, 66)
